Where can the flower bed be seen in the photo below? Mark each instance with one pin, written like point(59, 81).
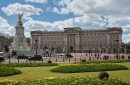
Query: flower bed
point(27, 64)
point(6, 71)
point(65, 81)
point(104, 61)
point(88, 68)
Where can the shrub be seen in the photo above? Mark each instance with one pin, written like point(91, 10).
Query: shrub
point(65, 81)
point(83, 60)
point(88, 68)
point(104, 61)
point(27, 64)
point(103, 75)
point(6, 71)
point(49, 61)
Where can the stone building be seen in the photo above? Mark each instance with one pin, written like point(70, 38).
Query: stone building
point(77, 40)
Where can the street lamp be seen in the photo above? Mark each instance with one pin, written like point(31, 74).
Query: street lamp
point(81, 48)
point(117, 47)
point(63, 47)
point(1, 42)
point(125, 49)
point(36, 45)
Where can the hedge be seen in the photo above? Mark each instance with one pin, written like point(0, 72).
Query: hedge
point(88, 68)
point(27, 64)
point(66, 81)
point(7, 71)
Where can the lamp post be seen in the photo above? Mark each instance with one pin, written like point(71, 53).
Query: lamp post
point(117, 47)
point(122, 49)
point(125, 49)
point(63, 51)
point(81, 48)
point(36, 45)
point(1, 42)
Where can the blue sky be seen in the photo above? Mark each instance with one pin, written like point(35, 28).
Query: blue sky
point(58, 14)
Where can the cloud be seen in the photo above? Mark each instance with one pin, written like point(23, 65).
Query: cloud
point(61, 2)
point(37, 1)
point(98, 7)
point(36, 25)
point(115, 12)
point(4, 26)
point(16, 8)
point(126, 30)
point(56, 10)
point(85, 22)
point(48, 9)
point(123, 22)
point(89, 14)
point(8, 30)
point(27, 34)
point(126, 38)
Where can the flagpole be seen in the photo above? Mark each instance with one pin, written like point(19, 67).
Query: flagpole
point(73, 22)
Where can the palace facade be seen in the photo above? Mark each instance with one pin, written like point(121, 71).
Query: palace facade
point(77, 40)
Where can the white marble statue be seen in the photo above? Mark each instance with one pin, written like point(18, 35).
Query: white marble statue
point(19, 42)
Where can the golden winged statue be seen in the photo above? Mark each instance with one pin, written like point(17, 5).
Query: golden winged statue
point(20, 16)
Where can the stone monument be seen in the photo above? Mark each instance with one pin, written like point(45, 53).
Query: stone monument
point(19, 42)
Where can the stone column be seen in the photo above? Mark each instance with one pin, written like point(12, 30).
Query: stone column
point(108, 42)
point(120, 40)
point(65, 41)
point(39, 42)
point(77, 41)
point(107, 50)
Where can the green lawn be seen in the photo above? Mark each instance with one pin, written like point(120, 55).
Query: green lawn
point(43, 72)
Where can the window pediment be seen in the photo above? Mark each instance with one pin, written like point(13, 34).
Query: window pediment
point(71, 30)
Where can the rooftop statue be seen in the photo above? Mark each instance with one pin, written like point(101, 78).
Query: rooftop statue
point(19, 17)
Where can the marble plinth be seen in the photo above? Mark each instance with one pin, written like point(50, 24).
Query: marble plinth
point(20, 46)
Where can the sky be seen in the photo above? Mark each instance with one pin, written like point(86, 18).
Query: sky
point(55, 15)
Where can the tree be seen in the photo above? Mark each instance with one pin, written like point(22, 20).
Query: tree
point(6, 48)
point(127, 46)
point(5, 39)
point(28, 40)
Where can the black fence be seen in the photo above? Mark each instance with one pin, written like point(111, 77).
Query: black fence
point(75, 58)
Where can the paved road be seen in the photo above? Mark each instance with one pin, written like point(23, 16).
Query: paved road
point(77, 57)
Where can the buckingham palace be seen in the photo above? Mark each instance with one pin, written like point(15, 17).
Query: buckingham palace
point(75, 39)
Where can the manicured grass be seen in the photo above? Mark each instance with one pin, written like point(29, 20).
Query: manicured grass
point(43, 72)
